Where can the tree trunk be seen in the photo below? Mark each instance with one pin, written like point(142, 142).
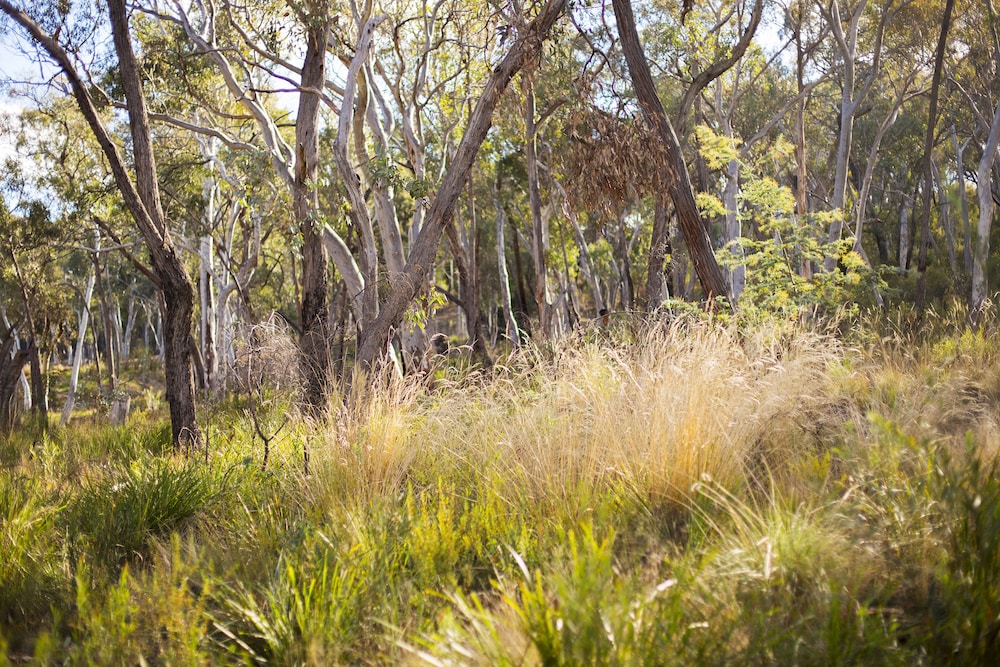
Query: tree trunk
point(963, 201)
point(586, 263)
point(11, 369)
point(925, 209)
point(733, 229)
point(314, 343)
point(22, 378)
point(537, 223)
point(468, 293)
point(850, 100)
point(627, 287)
point(39, 397)
point(141, 197)
point(523, 52)
point(129, 325)
point(678, 183)
point(801, 192)
point(947, 221)
point(658, 244)
point(358, 211)
point(74, 376)
point(110, 360)
point(513, 333)
point(143, 201)
point(904, 232)
point(985, 195)
point(209, 336)
point(522, 293)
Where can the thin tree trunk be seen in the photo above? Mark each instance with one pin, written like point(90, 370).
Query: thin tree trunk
point(925, 209)
point(658, 243)
point(39, 400)
point(12, 363)
point(873, 154)
point(733, 229)
point(110, 360)
point(535, 201)
point(947, 220)
point(129, 325)
point(678, 183)
point(74, 376)
point(209, 338)
point(801, 176)
point(586, 262)
point(985, 195)
point(22, 378)
point(850, 101)
point(627, 286)
point(904, 232)
point(511, 328)
point(963, 201)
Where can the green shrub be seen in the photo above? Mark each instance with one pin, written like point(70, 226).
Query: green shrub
point(113, 517)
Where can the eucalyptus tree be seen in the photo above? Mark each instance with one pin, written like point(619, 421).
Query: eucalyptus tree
point(29, 289)
point(141, 195)
point(858, 32)
point(678, 182)
point(976, 78)
point(525, 51)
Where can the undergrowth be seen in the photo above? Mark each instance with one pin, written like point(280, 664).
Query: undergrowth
point(676, 493)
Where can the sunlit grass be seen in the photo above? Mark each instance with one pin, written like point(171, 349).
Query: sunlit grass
point(676, 493)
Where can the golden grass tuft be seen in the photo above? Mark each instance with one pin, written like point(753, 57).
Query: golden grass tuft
point(684, 402)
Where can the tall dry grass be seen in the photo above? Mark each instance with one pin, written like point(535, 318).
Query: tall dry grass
point(684, 402)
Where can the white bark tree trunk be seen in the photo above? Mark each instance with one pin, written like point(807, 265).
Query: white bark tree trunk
point(513, 333)
point(963, 200)
point(83, 321)
point(984, 192)
point(209, 342)
point(904, 232)
point(851, 98)
point(25, 386)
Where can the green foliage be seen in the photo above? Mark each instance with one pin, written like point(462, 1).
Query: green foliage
point(113, 517)
point(106, 626)
point(543, 515)
point(29, 576)
point(964, 610)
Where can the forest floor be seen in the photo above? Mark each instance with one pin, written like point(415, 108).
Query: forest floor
point(655, 494)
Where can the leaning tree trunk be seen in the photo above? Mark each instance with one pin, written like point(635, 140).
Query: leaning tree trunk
point(676, 173)
point(525, 50)
point(141, 198)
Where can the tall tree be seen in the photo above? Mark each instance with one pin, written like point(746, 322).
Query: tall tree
point(314, 315)
point(523, 52)
point(852, 94)
point(927, 159)
point(679, 183)
point(142, 198)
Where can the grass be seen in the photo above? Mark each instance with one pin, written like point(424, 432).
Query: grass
point(659, 494)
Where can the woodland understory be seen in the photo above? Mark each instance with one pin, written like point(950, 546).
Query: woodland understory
point(455, 332)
